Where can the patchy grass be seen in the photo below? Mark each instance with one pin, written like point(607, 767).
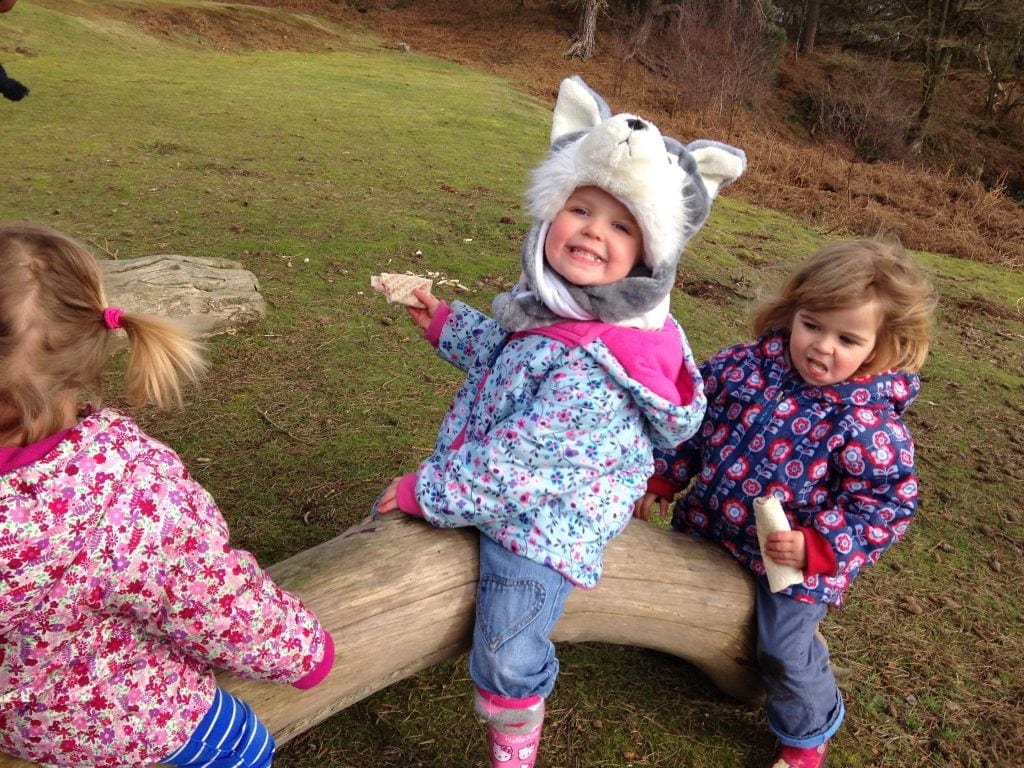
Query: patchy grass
point(165, 128)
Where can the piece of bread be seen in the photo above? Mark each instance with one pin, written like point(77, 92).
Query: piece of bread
point(770, 517)
point(397, 289)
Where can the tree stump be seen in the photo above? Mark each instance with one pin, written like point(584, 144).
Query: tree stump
point(398, 596)
point(217, 295)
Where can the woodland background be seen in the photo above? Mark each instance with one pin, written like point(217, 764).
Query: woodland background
point(320, 142)
point(862, 117)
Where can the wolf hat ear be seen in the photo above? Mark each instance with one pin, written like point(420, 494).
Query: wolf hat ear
point(667, 187)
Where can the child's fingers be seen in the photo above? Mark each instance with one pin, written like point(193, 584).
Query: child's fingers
point(642, 508)
point(787, 548)
point(387, 501)
point(783, 540)
point(429, 300)
point(419, 316)
point(423, 315)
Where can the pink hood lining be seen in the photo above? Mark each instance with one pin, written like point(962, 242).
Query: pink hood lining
point(651, 358)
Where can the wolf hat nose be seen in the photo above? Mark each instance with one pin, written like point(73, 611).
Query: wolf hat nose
point(636, 124)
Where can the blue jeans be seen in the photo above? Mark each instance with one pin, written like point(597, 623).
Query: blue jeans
point(804, 705)
point(518, 602)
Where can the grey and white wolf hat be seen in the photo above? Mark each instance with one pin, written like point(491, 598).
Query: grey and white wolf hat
point(667, 187)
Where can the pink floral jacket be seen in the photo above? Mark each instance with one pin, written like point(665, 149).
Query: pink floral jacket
point(119, 594)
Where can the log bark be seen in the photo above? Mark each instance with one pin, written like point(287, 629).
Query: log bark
point(217, 295)
point(398, 596)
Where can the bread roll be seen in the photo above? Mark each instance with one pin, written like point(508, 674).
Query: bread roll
point(770, 518)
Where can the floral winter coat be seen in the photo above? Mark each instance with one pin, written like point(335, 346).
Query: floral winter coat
point(838, 458)
point(119, 595)
point(548, 444)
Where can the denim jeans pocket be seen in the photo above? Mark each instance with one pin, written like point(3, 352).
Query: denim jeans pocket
point(505, 607)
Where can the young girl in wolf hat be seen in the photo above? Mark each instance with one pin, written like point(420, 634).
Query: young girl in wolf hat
point(120, 592)
point(548, 443)
point(810, 413)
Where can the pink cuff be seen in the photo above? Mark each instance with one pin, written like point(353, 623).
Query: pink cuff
point(661, 486)
point(320, 670)
point(407, 496)
point(821, 559)
point(433, 332)
point(506, 702)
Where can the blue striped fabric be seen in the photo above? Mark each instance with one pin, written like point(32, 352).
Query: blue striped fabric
point(228, 736)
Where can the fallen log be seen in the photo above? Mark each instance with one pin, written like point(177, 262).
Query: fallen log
point(217, 295)
point(398, 596)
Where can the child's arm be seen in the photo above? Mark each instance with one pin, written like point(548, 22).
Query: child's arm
point(673, 470)
point(214, 602)
point(461, 335)
point(875, 503)
point(559, 449)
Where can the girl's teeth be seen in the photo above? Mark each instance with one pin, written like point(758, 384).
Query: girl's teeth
point(587, 254)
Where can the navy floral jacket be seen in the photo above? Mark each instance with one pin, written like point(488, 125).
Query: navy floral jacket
point(838, 458)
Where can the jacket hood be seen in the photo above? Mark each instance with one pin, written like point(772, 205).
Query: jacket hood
point(656, 367)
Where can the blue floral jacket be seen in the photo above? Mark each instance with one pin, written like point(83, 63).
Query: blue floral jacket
point(548, 443)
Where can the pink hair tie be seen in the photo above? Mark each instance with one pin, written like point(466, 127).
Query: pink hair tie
point(112, 317)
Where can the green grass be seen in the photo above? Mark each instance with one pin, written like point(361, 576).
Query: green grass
point(363, 159)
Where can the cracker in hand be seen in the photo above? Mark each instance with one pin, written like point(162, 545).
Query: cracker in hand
point(398, 289)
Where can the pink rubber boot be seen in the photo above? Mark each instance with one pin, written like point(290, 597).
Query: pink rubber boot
point(795, 757)
point(513, 728)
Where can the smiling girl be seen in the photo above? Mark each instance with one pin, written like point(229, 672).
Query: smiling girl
point(578, 374)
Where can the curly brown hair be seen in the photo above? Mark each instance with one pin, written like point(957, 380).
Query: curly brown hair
point(848, 274)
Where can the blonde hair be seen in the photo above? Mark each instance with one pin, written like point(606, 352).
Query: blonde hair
point(849, 274)
point(54, 341)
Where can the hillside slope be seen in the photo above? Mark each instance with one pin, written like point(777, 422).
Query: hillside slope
point(938, 209)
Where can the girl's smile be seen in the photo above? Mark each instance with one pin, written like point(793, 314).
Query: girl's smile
point(593, 239)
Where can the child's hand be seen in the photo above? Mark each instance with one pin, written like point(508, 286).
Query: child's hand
point(388, 500)
point(420, 316)
point(642, 509)
point(787, 548)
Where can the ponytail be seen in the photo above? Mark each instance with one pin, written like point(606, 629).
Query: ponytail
point(164, 355)
point(55, 337)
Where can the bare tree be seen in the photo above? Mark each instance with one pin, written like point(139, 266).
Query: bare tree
point(582, 44)
point(812, 12)
point(1000, 53)
point(720, 54)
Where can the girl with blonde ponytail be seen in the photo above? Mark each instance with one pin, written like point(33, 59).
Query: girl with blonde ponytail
point(120, 585)
point(57, 337)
